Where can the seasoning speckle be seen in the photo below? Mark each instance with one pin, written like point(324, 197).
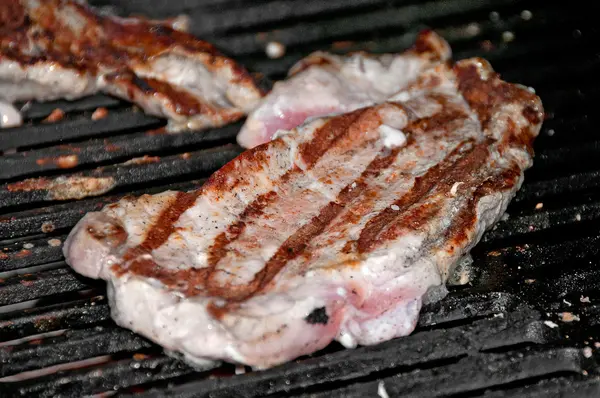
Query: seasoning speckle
point(395, 207)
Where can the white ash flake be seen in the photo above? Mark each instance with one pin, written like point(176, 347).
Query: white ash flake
point(578, 217)
point(381, 391)
point(550, 324)
point(587, 352)
point(275, 50)
point(395, 207)
point(526, 15)
point(28, 246)
point(494, 16)
point(508, 36)
point(473, 29)
point(584, 299)
point(454, 188)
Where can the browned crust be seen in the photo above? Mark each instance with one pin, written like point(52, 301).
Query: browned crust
point(107, 44)
point(467, 163)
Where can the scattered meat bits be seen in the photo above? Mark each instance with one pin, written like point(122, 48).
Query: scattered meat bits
point(54, 242)
point(99, 113)
point(568, 317)
point(55, 116)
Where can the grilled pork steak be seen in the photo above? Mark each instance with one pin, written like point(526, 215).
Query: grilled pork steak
point(324, 84)
point(334, 231)
point(64, 49)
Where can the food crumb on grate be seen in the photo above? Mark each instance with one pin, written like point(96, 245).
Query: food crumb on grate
point(550, 324)
point(529, 281)
point(54, 242)
point(28, 246)
point(275, 50)
point(568, 317)
point(55, 116)
point(587, 352)
point(584, 299)
point(381, 391)
point(47, 227)
point(539, 206)
point(240, 369)
point(578, 217)
point(99, 113)
point(550, 132)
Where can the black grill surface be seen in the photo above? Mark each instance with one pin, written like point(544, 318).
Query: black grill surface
point(527, 324)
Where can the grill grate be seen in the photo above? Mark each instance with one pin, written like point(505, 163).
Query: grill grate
point(503, 334)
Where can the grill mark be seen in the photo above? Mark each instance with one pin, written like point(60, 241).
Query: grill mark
point(157, 235)
point(219, 248)
point(456, 234)
point(457, 166)
point(296, 244)
point(326, 136)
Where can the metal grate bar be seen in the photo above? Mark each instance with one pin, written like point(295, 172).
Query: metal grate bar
point(109, 149)
point(78, 313)
point(472, 373)
point(76, 128)
point(417, 349)
point(108, 377)
point(137, 171)
point(70, 346)
point(61, 216)
point(39, 110)
point(21, 288)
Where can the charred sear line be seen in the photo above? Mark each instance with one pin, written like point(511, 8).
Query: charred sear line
point(317, 316)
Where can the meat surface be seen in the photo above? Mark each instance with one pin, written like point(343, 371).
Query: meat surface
point(336, 230)
point(324, 84)
point(64, 49)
